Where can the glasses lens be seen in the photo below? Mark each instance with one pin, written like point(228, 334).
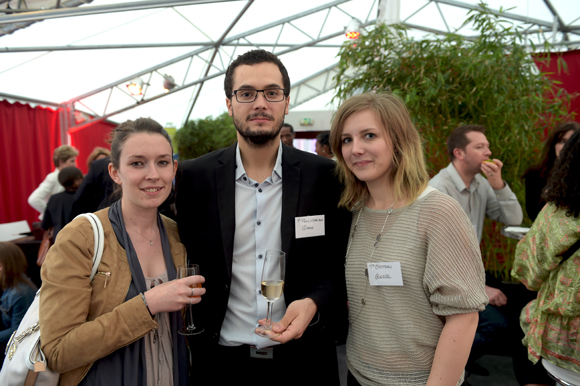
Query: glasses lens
point(246, 95)
point(274, 94)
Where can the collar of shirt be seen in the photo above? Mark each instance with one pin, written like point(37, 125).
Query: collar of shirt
point(458, 181)
point(241, 172)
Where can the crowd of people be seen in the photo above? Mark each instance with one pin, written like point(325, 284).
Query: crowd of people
point(377, 253)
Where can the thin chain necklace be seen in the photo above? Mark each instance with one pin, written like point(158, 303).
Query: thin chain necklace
point(150, 241)
point(375, 245)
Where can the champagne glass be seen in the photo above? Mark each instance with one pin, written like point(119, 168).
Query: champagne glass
point(272, 287)
point(189, 326)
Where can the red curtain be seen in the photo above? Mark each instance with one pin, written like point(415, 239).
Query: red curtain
point(570, 79)
point(28, 137)
point(86, 138)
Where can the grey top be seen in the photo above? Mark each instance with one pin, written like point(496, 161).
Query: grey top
point(158, 344)
point(480, 199)
point(393, 336)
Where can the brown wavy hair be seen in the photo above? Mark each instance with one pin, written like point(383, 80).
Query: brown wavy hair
point(409, 174)
point(14, 266)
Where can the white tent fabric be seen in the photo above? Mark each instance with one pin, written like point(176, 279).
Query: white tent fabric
point(44, 61)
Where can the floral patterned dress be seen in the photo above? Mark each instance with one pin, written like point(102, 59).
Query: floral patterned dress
point(551, 322)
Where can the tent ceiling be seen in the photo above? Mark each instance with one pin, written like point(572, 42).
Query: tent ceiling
point(85, 55)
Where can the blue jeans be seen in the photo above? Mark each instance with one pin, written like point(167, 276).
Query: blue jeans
point(491, 326)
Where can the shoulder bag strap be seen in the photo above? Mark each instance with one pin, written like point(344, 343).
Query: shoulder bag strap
point(99, 240)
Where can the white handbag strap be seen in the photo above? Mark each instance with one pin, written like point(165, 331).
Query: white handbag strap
point(99, 240)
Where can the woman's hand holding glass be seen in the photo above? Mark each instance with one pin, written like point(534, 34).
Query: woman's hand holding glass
point(175, 294)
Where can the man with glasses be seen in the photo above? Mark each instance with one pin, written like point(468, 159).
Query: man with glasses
point(257, 195)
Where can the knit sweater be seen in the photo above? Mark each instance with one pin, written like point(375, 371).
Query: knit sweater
point(393, 335)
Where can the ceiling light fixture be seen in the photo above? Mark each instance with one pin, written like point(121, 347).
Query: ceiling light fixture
point(353, 29)
point(168, 82)
point(136, 86)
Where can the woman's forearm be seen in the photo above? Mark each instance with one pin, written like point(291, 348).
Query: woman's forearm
point(453, 349)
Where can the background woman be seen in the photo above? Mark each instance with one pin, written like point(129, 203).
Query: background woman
point(97, 154)
point(420, 330)
point(121, 328)
point(323, 145)
point(536, 176)
point(17, 291)
point(59, 206)
point(63, 156)
point(551, 322)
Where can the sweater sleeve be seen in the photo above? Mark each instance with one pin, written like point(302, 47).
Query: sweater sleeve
point(69, 339)
point(454, 274)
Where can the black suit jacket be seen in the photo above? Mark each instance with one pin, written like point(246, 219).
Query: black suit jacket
point(96, 187)
point(205, 203)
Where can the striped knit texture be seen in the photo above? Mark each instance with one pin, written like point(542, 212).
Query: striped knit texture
point(393, 336)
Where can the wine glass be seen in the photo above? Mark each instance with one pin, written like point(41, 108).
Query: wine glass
point(272, 287)
point(189, 328)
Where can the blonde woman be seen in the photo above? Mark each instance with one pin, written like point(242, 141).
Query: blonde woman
point(414, 274)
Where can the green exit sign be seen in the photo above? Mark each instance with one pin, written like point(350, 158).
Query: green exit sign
point(306, 122)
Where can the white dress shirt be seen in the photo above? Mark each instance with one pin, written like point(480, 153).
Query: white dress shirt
point(258, 225)
point(480, 199)
point(47, 188)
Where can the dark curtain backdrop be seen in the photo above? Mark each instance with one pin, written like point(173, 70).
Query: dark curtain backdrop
point(28, 137)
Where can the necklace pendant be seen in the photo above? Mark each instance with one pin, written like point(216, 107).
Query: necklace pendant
point(150, 242)
point(390, 210)
point(376, 244)
point(379, 237)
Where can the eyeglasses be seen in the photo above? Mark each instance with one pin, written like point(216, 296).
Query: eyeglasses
point(249, 95)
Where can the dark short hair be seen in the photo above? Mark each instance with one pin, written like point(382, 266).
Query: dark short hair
point(324, 138)
point(289, 126)
point(67, 176)
point(458, 138)
point(249, 59)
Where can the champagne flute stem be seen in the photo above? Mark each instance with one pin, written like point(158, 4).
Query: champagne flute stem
point(192, 325)
point(268, 325)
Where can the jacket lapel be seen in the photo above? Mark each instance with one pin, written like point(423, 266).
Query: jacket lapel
point(290, 193)
point(225, 185)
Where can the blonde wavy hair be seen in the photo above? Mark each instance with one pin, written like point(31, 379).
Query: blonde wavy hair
point(409, 174)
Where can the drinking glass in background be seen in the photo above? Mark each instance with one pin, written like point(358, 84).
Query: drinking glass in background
point(189, 326)
point(272, 287)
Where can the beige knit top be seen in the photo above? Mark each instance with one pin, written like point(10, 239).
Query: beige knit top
point(393, 335)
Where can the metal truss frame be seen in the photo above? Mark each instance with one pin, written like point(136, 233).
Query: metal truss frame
point(216, 58)
point(214, 67)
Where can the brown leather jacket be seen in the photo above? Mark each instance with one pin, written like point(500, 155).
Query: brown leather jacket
point(82, 321)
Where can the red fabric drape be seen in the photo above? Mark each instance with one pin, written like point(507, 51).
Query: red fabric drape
point(570, 79)
point(86, 138)
point(28, 137)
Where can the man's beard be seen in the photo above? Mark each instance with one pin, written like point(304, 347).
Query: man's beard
point(258, 137)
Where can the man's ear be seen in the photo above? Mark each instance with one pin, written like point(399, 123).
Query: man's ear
point(287, 109)
point(458, 153)
point(229, 105)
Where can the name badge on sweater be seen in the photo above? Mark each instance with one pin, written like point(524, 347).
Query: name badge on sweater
point(385, 273)
point(309, 226)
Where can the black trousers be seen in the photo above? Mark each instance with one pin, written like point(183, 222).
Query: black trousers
point(305, 361)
